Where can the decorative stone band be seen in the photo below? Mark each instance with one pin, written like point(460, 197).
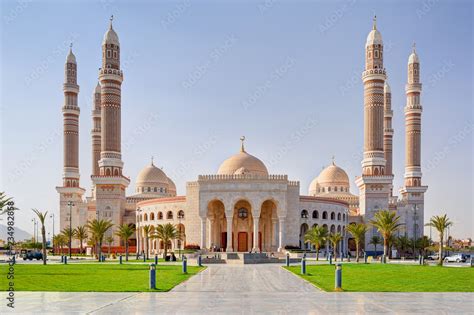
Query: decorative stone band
point(413, 88)
point(69, 87)
point(375, 74)
point(388, 131)
point(108, 161)
point(110, 74)
point(71, 109)
point(110, 180)
point(243, 176)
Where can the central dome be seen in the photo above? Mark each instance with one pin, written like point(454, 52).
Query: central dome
point(331, 179)
point(151, 175)
point(242, 163)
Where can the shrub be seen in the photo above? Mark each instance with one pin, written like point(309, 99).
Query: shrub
point(192, 246)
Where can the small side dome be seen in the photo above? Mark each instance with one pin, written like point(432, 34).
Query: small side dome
point(151, 176)
point(110, 37)
point(374, 37)
point(242, 163)
point(332, 179)
point(313, 187)
point(70, 56)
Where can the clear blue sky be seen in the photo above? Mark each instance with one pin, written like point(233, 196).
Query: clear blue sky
point(198, 75)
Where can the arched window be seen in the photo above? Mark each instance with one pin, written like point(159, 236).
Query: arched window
point(329, 189)
point(338, 217)
point(325, 215)
point(344, 217)
point(180, 214)
point(333, 216)
point(152, 216)
point(169, 215)
point(335, 188)
point(155, 189)
point(315, 214)
point(161, 189)
point(145, 217)
point(304, 214)
point(107, 172)
point(315, 225)
point(116, 172)
point(160, 215)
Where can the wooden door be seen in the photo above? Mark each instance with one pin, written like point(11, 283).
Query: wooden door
point(242, 245)
point(224, 240)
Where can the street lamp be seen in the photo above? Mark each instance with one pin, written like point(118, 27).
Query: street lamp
point(34, 230)
point(70, 204)
point(414, 230)
point(52, 240)
point(180, 216)
point(139, 210)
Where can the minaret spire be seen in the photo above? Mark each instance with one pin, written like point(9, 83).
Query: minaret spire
point(242, 147)
point(374, 26)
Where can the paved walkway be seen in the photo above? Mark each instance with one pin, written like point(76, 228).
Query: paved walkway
point(239, 289)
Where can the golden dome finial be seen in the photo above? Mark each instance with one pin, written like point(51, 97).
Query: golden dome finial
point(414, 47)
point(333, 160)
point(242, 148)
point(152, 159)
point(111, 20)
point(375, 22)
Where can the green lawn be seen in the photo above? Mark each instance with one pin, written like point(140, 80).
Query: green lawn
point(390, 278)
point(93, 277)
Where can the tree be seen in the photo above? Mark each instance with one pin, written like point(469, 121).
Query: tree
point(375, 240)
point(335, 239)
point(42, 218)
point(440, 223)
point(69, 235)
point(147, 230)
point(80, 234)
point(98, 228)
point(422, 244)
point(166, 233)
point(402, 244)
point(358, 233)
point(109, 240)
point(125, 231)
point(386, 223)
point(316, 236)
point(60, 241)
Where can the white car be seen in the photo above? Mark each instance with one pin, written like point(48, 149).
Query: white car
point(455, 258)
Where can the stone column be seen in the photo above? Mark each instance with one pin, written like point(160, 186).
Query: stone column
point(209, 241)
point(203, 233)
point(229, 235)
point(274, 233)
point(281, 233)
point(255, 234)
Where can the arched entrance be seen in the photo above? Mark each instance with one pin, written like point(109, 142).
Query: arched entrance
point(268, 226)
point(303, 229)
point(242, 222)
point(217, 238)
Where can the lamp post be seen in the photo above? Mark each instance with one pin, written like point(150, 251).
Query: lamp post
point(52, 240)
point(34, 230)
point(139, 210)
point(70, 204)
point(414, 230)
point(180, 216)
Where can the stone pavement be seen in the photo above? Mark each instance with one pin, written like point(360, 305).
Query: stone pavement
point(242, 289)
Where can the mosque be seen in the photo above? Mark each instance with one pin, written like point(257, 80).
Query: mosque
point(242, 206)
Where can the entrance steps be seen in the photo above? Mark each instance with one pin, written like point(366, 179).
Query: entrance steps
point(241, 258)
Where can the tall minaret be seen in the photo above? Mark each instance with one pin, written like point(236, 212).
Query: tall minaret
point(387, 129)
point(374, 184)
point(70, 193)
point(96, 131)
point(413, 192)
point(110, 184)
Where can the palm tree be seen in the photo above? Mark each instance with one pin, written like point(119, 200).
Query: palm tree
point(335, 239)
point(402, 244)
point(109, 240)
point(422, 244)
point(316, 236)
point(81, 235)
point(92, 243)
point(125, 231)
point(166, 233)
point(98, 228)
point(147, 230)
point(375, 240)
point(69, 235)
point(358, 233)
point(42, 217)
point(386, 223)
point(6, 204)
point(440, 223)
point(60, 241)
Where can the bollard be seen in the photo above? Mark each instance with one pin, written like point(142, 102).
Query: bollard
point(338, 279)
point(156, 259)
point(120, 259)
point(199, 261)
point(330, 259)
point(304, 255)
point(303, 266)
point(384, 259)
point(65, 260)
point(288, 259)
point(420, 260)
point(185, 264)
point(152, 277)
point(62, 258)
point(472, 261)
point(365, 258)
point(144, 258)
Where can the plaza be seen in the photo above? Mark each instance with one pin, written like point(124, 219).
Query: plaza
point(239, 289)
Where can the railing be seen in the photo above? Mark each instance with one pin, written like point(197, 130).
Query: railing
point(242, 176)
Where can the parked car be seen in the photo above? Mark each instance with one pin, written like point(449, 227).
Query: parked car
point(31, 254)
point(433, 257)
point(456, 258)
